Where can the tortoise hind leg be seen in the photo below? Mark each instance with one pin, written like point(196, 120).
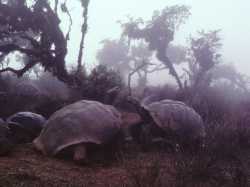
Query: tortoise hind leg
point(80, 154)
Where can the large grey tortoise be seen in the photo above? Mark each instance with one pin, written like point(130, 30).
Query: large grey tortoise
point(25, 126)
point(76, 126)
point(168, 118)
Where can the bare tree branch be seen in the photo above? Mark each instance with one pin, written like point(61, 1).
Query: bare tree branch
point(20, 72)
point(12, 47)
point(66, 10)
point(32, 41)
point(85, 4)
point(157, 68)
point(132, 73)
point(35, 31)
point(187, 72)
point(56, 6)
point(9, 69)
point(161, 55)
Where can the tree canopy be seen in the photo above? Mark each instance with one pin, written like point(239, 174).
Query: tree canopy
point(32, 28)
point(158, 32)
point(203, 55)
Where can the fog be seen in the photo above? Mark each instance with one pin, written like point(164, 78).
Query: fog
point(228, 15)
point(96, 95)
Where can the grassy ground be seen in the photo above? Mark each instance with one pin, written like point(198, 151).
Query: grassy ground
point(26, 167)
point(224, 161)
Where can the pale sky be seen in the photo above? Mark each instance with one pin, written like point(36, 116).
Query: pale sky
point(232, 16)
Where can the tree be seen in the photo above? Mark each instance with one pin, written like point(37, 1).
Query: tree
point(142, 64)
point(227, 72)
point(130, 60)
point(177, 53)
point(158, 33)
point(115, 55)
point(118, 55)
point(203, 55)
point(100, 81)
point(32, 28)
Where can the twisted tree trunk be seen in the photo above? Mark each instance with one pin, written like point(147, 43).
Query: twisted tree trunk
point(161, 55)
point(84, 31)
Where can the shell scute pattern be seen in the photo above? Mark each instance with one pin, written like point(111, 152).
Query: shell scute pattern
point(176, 116)
point(81, 122)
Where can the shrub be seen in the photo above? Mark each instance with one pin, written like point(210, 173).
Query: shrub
point(223, 161)
point(99, 82)
point(144, 173)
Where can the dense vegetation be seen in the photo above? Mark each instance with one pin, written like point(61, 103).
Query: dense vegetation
point(30, 35)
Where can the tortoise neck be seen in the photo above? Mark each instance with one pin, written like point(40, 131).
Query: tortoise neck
point(144, 113)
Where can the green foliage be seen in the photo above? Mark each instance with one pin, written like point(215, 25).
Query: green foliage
point(177, 53)
point(203, 55)
point(205, 49)
point(32, 28)
point(159, 31)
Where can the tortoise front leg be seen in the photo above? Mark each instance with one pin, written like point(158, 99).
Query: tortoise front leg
point(80, 154)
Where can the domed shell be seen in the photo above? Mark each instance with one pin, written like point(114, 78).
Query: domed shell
point(28, 122)
point(81, 122)
point(177, 116)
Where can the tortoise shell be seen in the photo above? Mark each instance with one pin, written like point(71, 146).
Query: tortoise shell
point(176, 116)
point(81, 122)
point(25, 126)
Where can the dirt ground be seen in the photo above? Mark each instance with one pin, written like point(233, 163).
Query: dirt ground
point(132, 168)
point(27, 167)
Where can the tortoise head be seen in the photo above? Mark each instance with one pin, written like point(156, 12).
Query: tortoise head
point(141, 109)
point(18, 134)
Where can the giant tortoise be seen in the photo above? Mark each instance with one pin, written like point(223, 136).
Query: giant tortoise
point(25, 126)
point(76, 126)
point(167, 119)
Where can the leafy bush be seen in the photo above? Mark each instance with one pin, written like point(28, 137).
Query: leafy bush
point(10, 102)
point(44, 95)
point(222, 161)
point(99, 82)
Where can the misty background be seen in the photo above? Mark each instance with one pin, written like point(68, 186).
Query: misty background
point(188, 120)
point(228, 15)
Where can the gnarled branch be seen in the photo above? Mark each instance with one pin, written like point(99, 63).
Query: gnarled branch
point(85, 4)
point(132, 73)
point(19, 72)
